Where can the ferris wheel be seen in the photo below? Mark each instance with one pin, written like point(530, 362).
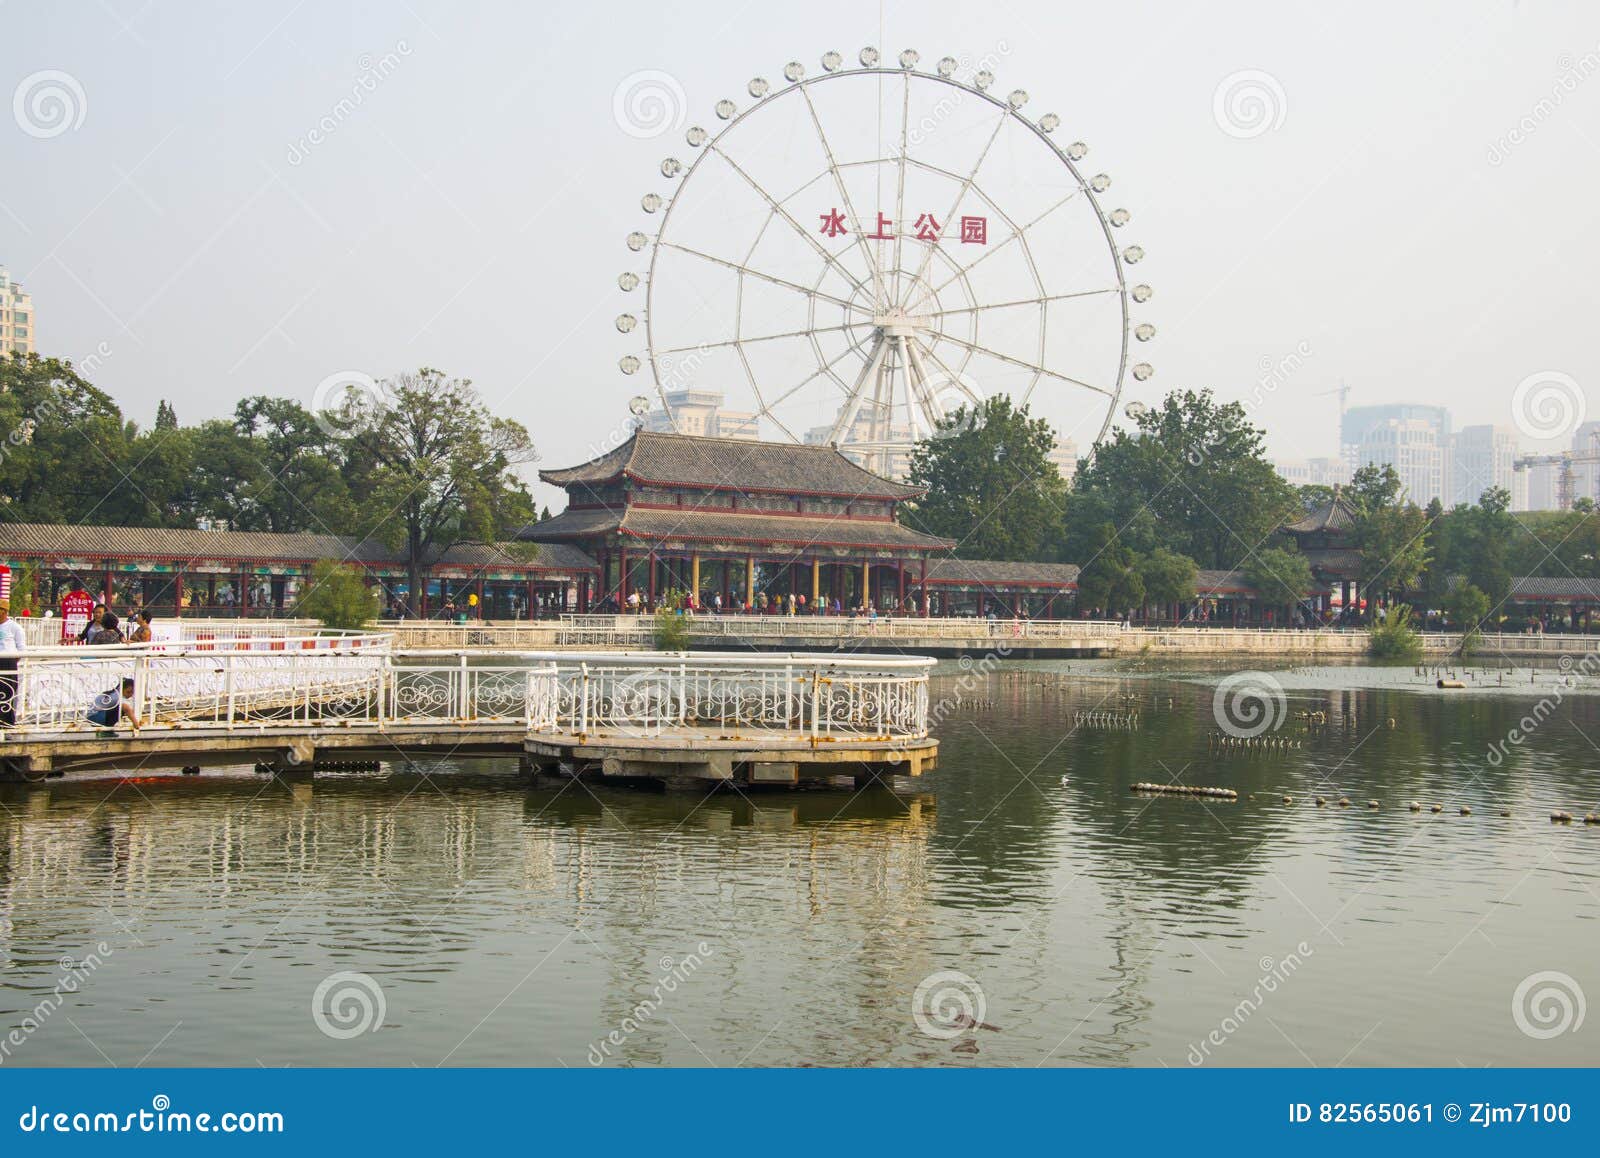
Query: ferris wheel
point(855, 255)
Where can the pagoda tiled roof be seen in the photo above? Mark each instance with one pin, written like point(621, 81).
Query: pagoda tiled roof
point(732, 464)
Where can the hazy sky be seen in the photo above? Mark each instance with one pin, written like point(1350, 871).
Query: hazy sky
point(1382, 228)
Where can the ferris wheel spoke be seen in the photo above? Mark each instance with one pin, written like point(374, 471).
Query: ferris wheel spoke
point(919, 382)
point(825, 369)
point(966, 185)
point(852, 404)
point(1038, 301)
point(844, 193)
point(777, 207)
point(954, 376)
point(766, 277)
point(726, 343)
point(1025, 365)
point(900, 190)
point(1014, 235)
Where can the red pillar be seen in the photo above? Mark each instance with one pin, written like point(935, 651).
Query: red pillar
point(532, 594)
point(622, 579)
point(177, 594)
point(650, 578)
point(900, 571)
point(923, 587)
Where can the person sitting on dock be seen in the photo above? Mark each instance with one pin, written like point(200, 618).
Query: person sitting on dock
point(113, 705)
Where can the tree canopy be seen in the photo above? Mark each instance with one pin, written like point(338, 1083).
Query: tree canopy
point(991, 484)
point(428, 468)
point(1193, 477)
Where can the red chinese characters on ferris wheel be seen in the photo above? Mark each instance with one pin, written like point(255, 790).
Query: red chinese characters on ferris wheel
point(973, 230)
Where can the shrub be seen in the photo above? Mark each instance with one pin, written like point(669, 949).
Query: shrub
point(1395, 638)
point(338, 597)
point(672, 630)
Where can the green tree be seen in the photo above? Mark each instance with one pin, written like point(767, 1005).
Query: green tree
point(337, 596)
point(990, 483)
point(435, 468)
point(64, 448)
point(289, 463)
point(1466, 605)
point(1168, 577)
point(1200, 471)
point(1281, 576)
point(1109, 579)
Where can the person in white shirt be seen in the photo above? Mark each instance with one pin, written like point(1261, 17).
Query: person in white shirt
point(12, 644)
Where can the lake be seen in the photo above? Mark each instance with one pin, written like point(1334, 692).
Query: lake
point(1018, 906)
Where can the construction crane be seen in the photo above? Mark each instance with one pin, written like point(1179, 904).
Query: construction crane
point(1566, 480)
point(1342, 391)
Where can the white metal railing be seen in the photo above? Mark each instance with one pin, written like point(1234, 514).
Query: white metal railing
point(581, 629)
point(203, 682)
point(46, 631)
point(357, 681)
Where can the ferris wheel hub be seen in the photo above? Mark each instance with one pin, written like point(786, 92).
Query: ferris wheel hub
point(898, 323)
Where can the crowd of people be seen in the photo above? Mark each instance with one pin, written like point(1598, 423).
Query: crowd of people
point(99, 628)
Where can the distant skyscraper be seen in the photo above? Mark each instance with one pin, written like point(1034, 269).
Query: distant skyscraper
point(16, 317)
point(1585, 475)
point(701, 412)
point(1302, 472)
point(1483, 457)
point(1412, 438)
point(1065, 456)
point(1540, 487)
point(882, 446)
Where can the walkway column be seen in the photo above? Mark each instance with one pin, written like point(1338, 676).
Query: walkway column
point(922, 586)
point(106, 589)
point(816, 583)
point(694, 576)
point(727, 585)
point(177, 594)
point(622, 579)
point(866, 583)
point(900, 574)
point(650, 577)
point(750, 580)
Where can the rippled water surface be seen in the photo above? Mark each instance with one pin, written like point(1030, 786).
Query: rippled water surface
point(500, 923)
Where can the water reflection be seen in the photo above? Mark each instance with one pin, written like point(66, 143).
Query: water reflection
point(513, 924)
